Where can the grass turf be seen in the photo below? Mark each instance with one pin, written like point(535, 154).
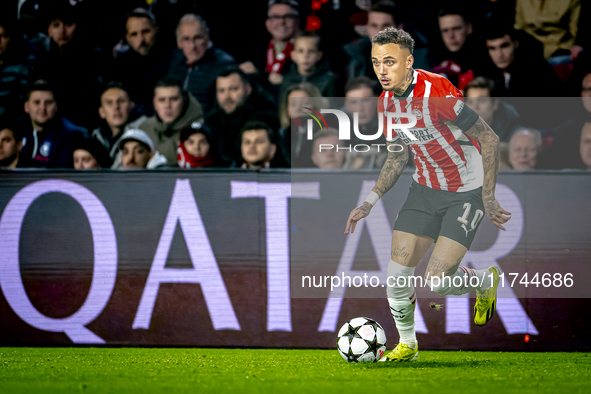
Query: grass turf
point(157, 370)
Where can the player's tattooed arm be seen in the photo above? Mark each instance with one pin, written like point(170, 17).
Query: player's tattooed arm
point(489, 149)
point(391, 170)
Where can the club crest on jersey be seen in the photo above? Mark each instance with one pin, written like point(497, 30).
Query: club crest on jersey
point(44, 150)
point(417, 113)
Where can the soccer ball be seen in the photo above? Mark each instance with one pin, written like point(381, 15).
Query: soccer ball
point(361, 340)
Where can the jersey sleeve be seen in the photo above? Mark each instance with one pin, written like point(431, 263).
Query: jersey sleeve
point(452, 107)
point(382, 107)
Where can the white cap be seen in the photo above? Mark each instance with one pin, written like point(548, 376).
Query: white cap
point(135, 134)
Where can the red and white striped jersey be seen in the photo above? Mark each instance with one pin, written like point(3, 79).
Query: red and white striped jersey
point(445, 157)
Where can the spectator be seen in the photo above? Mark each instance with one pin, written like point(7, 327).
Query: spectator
point(570, 146)
point(585, 146)
point(197, 61)
point(49, 141)
point(135, 150)
point(382, 14)
point(175, 108)
point(283, 23)
point(142, 62)
point(361, 98)
point(237, 102)
point(524, 147)
point(553, 23)
point(517, 72)
point(11, 142)
point(295, 145)
point(71, 64)
point(89, 154)
point(257, 145)
point(114, 111)
point(197, 148)
point(325, 154)
point(309, 65)
point(502, 117)
point(15, 69)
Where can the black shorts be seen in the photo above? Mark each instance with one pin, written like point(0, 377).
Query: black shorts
point(430, 212)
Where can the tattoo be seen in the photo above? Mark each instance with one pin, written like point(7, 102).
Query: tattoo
point(459, 260)
point(436, 267)
point(400, 252)
point(393, 167)
point(365, 209)
point(489, 149)
point(407, 81)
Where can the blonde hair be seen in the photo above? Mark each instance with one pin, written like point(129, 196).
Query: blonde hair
point(308, 88)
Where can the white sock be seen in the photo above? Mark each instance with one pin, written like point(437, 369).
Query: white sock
point(402, 300)
point(462, 281)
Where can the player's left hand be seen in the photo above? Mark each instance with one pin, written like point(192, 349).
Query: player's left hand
point(495, 213)
point(356, 215)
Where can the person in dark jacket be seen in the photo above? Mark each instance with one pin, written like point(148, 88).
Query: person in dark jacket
point(115, 109)
point(143, 61)
point(196, 61)
point(15, 70)
point(237, 102)
point(49, 141)
point(309, 65)
point(11, 142)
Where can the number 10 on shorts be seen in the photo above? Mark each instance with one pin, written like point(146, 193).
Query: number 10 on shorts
point(478, 215)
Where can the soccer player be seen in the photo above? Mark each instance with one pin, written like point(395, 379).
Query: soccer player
point(457, 159)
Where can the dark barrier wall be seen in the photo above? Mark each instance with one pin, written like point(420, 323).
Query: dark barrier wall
point(220, 259)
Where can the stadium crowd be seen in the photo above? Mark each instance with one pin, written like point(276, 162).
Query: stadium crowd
point(162, 94)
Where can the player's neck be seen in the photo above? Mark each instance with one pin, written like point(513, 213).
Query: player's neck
point(400, 90)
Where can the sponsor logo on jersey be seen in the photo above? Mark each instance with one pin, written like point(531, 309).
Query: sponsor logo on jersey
point(458, 107)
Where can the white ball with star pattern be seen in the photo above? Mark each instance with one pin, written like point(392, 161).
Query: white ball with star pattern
point(361, 340)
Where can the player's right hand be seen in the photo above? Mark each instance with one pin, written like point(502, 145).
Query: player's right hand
point(356, 215)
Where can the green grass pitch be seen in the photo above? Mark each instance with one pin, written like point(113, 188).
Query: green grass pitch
point(159, 370)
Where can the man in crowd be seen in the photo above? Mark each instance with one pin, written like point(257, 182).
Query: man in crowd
point(50, 137)
point(524, 147)
point(175, 108)
point(324, 154)
point(115, 108)
point(517, 73)
point(143, 61)
point(462, 55)
point(258, 145)
point(15, 68)
point(135, 150)
point(11, 142)
point(382, 14)
point(90, 154)
point(237, 102)
point(196, 61)
point(502, 117)
point(283, 23)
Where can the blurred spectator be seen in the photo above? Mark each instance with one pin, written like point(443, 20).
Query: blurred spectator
point(502, 117)
point(585, 146)
point(462, 54)
point(237, 102)
point(295, 145)
point(257, 145)
point(135, 150)
point(196, 61)
point(15, 69)
point(524, 147)
point(518, 72)
point(382, 14)
point(142, 62)
point(11, 142)
point(327, 154)
point(175, 108)
point(361, 99)
point(89, 154)
point(70, 62)
point(553, 23)
point(197, 148)
point(570, 146)
point(114, 112)
point(269, 61)
point(50, 138)
point(309, 65)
